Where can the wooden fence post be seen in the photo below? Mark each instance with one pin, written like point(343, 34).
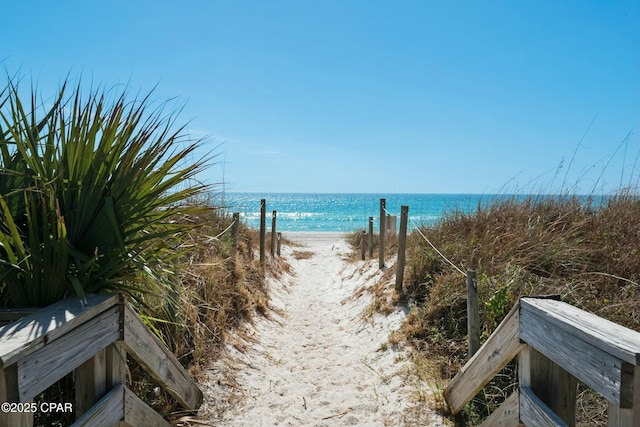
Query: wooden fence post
point(235, 230)
point(473, 313)
point(363, 245)
point(391, 224)
point(263, 230)
point(279, 242)
point(383, 203)
point(274, 241)
point(370, 237)
point(402, 244)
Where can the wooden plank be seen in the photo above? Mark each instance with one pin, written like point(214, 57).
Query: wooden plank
point(17, 419)
point(502, 346)
point(9, 315)
point(107, 412)
point(534, 413)
point(159, 362)
point(630, 417)
point(116, 365)
point(116, 355)
point(33, 331)
point(90, 382)
point(507, 414)
point(12, 419)
point(622, 343)
point(138, 413)
point(618, 417)
point(553, 385)
point(48, 364)
point(566, 342)
point(635, 415)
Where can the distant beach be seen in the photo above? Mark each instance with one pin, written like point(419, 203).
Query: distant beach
point(345, 213)
point(341, 213)
point(311, 238)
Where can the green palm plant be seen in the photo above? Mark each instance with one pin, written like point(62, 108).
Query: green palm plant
point(90, 189)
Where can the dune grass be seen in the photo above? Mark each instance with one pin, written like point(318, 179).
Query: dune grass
point(584, 250)
point(216, 297)
point(355, 240)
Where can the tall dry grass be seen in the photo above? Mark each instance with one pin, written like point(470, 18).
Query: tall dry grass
point(584, 250)
point(355, 240)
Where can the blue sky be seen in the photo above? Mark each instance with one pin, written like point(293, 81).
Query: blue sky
point(366, 96)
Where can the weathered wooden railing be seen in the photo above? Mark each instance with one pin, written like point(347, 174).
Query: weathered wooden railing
point(556, 344)
point(92, 341)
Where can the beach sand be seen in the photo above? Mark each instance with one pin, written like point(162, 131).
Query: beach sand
point(313, 240)
point(317, 361)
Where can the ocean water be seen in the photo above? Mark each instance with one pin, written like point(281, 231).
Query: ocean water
point(330, 212)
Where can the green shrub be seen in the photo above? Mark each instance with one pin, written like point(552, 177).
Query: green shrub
point(90, 188)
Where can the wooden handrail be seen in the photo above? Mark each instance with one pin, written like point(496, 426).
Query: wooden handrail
point(95, 336)
point(29, 333)
point(501, 347)
point(158, 361)
point(564, 344)
point(598, 352)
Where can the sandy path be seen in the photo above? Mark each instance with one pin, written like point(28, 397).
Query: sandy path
point(319, 364)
